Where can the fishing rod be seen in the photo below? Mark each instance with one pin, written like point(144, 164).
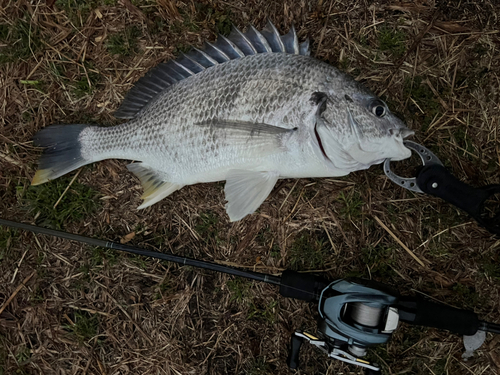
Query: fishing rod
point(354, 314)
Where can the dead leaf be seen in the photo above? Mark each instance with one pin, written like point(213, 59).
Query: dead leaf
point(494, 342)
point(127, 238)
point(135, 10)
point(496, 359)
point(409, 7)
point(452, 27)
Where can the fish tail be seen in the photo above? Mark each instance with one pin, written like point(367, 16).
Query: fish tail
point(62, 152)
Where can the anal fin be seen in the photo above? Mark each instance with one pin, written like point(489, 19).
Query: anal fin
point(246, 190)
point(154, 184)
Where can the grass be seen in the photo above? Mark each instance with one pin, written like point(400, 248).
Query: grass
point(208, 228)
point(222, 21)
point(6, 238)
point(491, 267)
point(425, 107)
point(38, 85)
point(79, 202)
point(379, 260)
point(4, 31)
point(85, 326)
point(79, 11)
point(150, 317)
point(441, 218)
point(392, 41)
point(307, 252)
point(3, 355)
point(240, 289)
point(102, 256)
point(258, 366)
point(164, 288)
point(38, 296)
point(87, 82)
point(23, 40)
point(206, 224)
point(124, 43)
point(351, 204)
point(264, 312)
point(467, 295)
point(184, 48)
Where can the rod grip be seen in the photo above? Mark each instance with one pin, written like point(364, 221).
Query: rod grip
point(302, 286)
point(293, 356)
point(419, 311)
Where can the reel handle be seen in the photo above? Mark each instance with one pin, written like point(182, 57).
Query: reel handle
point(293, 356)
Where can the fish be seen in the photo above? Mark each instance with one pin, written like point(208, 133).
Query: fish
point(248, 109)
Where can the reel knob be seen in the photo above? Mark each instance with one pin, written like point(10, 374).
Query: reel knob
point(293, 356)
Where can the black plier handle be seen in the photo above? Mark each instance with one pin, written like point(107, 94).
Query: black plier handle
point(433, 178)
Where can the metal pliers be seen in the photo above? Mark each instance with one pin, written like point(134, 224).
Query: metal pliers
point(433, 178)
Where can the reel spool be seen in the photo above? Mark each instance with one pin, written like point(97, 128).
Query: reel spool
point(365, 315)
point(355, 313)
point(362, 315)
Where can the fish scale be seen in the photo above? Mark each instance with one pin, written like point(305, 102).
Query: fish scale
point(248, 109)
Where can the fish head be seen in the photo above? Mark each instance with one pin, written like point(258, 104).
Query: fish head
point(364, 128)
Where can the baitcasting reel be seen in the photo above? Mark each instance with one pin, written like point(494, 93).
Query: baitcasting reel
point(357, 314)
point(354, 315)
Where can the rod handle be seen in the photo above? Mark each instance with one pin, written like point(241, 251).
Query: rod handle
point(419, 311)
point(302, 286)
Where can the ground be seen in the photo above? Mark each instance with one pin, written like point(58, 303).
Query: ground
point(96, 311)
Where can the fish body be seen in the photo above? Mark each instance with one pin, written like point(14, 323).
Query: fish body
point(249, 109)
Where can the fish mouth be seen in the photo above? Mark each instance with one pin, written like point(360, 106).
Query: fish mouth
point(402, 132)
point(398, 137)
point(405, 133)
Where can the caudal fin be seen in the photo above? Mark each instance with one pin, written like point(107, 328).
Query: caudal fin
point(62, 152)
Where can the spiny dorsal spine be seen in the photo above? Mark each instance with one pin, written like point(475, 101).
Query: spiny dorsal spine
point(235, 46)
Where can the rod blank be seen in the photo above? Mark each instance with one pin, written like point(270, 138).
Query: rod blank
point(270, 279)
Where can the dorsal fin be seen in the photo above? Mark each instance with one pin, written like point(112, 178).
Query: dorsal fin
point(273, 37)
point(235, 46)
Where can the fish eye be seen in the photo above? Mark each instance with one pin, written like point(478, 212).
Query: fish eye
point(378, 108)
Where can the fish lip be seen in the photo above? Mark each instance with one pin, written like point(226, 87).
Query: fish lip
point(402, 132)
point(405, 132)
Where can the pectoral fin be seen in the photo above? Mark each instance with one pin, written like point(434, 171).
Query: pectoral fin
point(246, 190)
point(252, 139)
point(154, 184)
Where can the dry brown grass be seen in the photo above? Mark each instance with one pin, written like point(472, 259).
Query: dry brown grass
point(89, 311)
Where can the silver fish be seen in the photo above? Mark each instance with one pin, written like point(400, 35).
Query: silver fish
point(249, 109)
